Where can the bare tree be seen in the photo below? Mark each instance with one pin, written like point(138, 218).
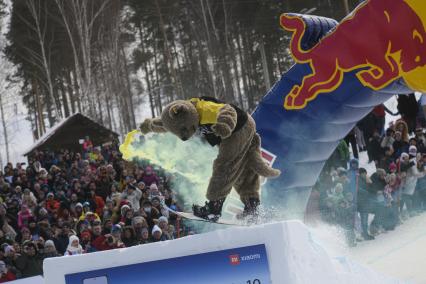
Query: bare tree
point(168, 54)
point(8, 89)
point(42, 59)
point(79, 17)
point(4, 126)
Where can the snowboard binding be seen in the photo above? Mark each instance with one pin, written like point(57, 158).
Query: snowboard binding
point(211, 211)
point(250, 208)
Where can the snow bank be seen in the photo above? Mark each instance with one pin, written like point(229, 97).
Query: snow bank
point(292, 254)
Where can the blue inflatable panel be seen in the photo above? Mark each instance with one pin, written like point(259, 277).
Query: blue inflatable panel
point(302, 140)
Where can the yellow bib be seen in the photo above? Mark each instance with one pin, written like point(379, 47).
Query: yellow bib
point(207, 110)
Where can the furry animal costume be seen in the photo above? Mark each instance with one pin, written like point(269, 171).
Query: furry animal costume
point(239, 162)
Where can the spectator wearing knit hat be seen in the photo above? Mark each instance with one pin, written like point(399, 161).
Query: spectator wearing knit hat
point(50, 249)
point(29, 199)
point(138, 223)
point(154, 191)
point(52, 205)
point(412, 151)
point(128, 218)
point(123, 210)
point(10, 256)
point(163, 223)
point(74, 247)
point(157, 234)
point(78, 210)
point(144, 239)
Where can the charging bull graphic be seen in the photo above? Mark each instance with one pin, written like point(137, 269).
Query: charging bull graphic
point(383, 39)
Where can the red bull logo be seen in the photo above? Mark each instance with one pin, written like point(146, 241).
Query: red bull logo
point(382, 39)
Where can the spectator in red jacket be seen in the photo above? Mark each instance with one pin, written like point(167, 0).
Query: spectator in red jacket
point(52, 205)
point(6, 274)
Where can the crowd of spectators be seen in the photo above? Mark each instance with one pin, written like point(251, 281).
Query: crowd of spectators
point(348, 196)
point(69, 203)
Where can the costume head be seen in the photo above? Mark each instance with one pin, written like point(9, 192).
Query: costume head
point(180, 118)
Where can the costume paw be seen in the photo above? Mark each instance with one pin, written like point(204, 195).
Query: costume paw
point(222, 130)
point(145, 126)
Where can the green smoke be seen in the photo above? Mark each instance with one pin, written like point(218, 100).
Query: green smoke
point(190, 162)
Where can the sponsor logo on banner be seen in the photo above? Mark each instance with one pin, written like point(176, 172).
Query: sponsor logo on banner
point(269, 158)
point(382, 40)
point(234, 259)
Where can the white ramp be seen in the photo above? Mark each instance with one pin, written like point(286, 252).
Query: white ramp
point(29, 280)
point(272, 253)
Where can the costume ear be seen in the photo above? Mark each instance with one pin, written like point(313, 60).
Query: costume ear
point(157, 125)
point(177, 109)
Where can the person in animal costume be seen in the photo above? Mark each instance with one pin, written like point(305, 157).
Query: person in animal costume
point(239, 163)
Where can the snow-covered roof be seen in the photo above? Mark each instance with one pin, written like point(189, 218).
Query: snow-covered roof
point(82, 122)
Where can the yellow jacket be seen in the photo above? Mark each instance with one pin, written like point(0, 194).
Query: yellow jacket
point(207, 110)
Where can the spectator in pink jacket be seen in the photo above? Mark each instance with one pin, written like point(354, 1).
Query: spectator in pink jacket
point(149, 177)
point(24, 216)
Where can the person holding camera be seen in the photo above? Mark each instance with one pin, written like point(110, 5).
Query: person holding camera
point(109, 241)
point(133, 195)
point(30, 263)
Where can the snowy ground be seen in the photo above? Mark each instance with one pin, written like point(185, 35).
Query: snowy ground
point(400, 253)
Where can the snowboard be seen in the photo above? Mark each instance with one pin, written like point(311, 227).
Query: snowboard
point(191, 216)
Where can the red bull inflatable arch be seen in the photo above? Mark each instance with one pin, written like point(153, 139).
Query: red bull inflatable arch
point(342, 71)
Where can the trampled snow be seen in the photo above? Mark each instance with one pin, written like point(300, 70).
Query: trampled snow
point(400, 253)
